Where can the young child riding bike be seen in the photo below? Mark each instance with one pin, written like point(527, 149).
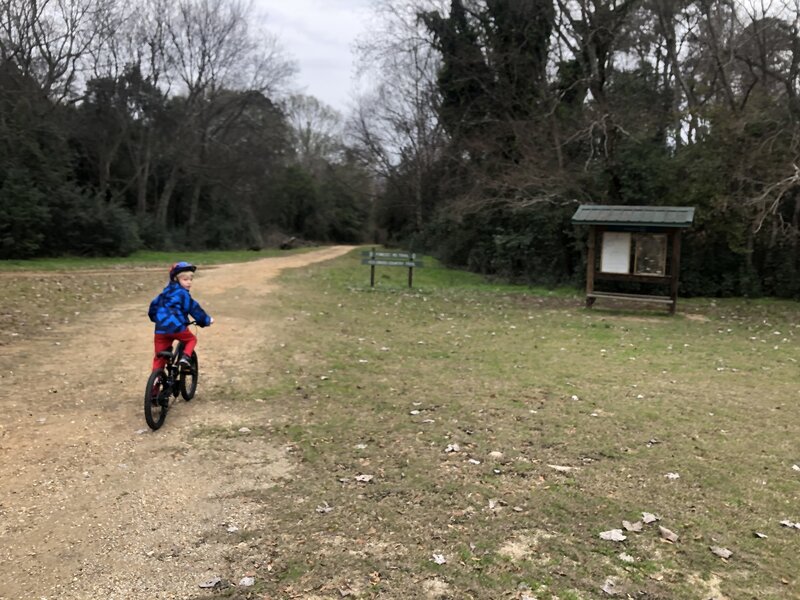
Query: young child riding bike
point(170, 311)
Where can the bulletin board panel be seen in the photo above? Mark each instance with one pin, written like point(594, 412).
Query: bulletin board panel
point(651, 254)
point(615, 256)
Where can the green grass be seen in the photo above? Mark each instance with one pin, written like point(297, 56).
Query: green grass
point(143, 258)
point(390, 377)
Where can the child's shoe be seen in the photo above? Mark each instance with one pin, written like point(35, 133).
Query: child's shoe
point(185, 361)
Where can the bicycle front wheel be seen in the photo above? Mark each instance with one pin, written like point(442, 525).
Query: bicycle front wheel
point(156, 400)
point(189, 379)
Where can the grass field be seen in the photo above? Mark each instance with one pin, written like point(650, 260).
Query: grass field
point(502, 429)
point(467, 440)
point(140, 259)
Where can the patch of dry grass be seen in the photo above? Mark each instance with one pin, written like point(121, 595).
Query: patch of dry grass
point(32, 305)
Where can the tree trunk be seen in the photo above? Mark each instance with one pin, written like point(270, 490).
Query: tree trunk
point(142, 178)
point(194, 205)
point(557, 141)
point(796, 226)
point(165, 198)
point(104, 168)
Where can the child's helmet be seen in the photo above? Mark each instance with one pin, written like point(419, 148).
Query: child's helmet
point(180, 267)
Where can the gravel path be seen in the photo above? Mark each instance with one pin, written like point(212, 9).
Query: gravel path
point(93, 504)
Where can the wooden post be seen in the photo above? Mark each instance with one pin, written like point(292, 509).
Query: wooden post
point(590, 265)
point(675, 267)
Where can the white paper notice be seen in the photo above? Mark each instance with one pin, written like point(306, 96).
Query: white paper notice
point(616, 253)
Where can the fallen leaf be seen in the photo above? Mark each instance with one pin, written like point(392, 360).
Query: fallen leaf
point(613, 535)
point(634, 527)
point(759, 535)
point(562, 469)
point(626, 558)
point(610, 587)
point(788, 523)
point(211, 583)
point(364, 478)
point(439, 559)
point(247, 581)
point(721, 552)
point(672, 476)
point(668, 535)
point(453, 448)
point(324, 508)
point(649, 517)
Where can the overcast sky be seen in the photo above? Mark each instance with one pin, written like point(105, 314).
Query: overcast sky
point(319, 35)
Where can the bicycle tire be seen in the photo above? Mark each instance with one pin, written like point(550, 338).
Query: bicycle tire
point(156, 400)
point(189, 379)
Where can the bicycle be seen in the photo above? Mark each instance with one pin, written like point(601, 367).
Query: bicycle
point(165, 384)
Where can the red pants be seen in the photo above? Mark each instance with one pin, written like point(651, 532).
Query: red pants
point(163, 341)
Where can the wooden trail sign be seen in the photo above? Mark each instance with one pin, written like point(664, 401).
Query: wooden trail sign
point(390, 259)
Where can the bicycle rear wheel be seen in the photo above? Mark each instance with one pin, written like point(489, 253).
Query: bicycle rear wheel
point(156, 400)
point(189, 379)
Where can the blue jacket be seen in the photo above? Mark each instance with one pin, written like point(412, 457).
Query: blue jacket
point(170, 310)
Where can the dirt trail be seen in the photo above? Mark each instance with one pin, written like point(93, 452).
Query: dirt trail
point(93, 505)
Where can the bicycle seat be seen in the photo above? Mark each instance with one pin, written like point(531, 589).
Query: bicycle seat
point(165, 354)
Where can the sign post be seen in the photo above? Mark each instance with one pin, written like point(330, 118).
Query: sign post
point(390, 259)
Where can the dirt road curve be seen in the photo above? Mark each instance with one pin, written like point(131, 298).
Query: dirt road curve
point(93, 505)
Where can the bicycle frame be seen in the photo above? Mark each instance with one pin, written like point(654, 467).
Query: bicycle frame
point(168, 382)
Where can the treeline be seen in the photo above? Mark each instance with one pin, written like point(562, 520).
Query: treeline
point(153, 123)
point(168, 124)
point(494, 119)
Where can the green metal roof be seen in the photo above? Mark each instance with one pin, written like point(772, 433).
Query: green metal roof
point(654, 216)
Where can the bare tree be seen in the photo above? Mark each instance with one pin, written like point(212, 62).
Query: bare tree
point(46, 40)
point(591, 30)
point(211, 49)
point(396, 124)
point(317, 131)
